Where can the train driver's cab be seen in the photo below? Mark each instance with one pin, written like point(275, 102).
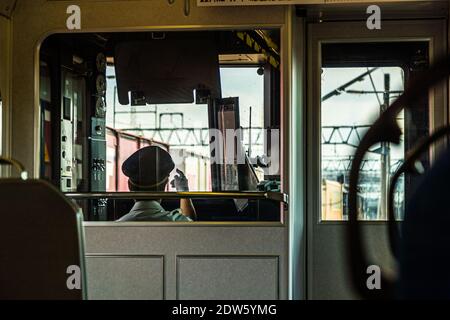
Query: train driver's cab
point(211, 99)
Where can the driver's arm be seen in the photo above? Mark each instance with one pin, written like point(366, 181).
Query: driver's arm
point(180, 182)
point(187, 208)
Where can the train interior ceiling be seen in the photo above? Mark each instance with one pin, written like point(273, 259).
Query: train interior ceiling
point(115, 93)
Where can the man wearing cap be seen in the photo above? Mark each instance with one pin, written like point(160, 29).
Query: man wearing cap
point(148, 170)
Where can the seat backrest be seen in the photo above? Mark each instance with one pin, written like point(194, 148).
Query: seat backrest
point(40, 238)
point(425, 243)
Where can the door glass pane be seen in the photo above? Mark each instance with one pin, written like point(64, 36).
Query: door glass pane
point(358, 82)
point(352, 99)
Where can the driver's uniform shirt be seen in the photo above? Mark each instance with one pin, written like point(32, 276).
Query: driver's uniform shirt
point(151, 210)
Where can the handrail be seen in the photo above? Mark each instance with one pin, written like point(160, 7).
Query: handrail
point(250, 195)
point(385, 129)
point(408, 166)
point(16, 164)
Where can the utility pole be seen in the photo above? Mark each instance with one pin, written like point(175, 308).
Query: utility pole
point(114, 107)
point(250, 133)
point(385, 157)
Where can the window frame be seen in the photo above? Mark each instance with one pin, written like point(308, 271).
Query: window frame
point(283, 102)
point(393, 31)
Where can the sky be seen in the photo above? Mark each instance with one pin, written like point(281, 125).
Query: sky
point(344, 109)
point(349, 109)
point(244, 83)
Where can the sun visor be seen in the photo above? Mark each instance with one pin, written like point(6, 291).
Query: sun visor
point(167, 69)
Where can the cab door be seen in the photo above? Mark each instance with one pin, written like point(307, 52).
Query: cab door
point(353, 75)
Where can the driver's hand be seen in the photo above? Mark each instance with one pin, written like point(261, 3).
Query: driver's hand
point(180, 182)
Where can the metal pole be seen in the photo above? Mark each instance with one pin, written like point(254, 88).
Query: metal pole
point(251, 195)
point(156, 117)
point(250, 134)
point(342, 88)
point(385, 156)
point(114, 107)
